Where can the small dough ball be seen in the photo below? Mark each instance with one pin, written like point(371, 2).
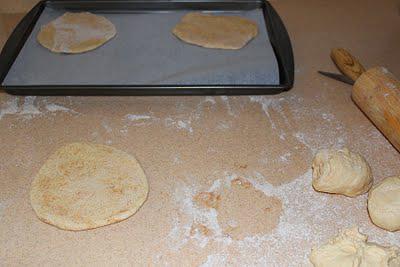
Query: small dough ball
point(384, 204)
point(351, 249)
point(341, 172)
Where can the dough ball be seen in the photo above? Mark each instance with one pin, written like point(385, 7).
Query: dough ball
point(85, 186)
point(76, 33)
point(224, 32)
point(384, 204)
point(341, 172)
point(351, 249)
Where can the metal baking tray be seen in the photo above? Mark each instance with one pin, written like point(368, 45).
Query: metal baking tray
point(145, 58)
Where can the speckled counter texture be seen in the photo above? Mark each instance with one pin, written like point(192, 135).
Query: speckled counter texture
point(230, 178)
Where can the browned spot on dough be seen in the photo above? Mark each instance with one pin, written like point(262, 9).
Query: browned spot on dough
point(117, 212)
point(207, 199)
point(48, 199)
point(123, 211)
point(60, 210)
point(241, 182)
point(77, 218)
point(199, 228)
point(81, 219)
point(117, 190)
point(45, 182)
point(245, 211)
point(81, 195)
point(75, 150)
point(71, 166)
point(240, 165)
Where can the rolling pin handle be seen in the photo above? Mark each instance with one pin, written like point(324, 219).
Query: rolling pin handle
point(377, 93)
point(347, 63)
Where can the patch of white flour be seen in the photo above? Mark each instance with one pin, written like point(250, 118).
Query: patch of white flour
point(31, 106)
point(28, 108)
point(55, 107)
point(269, 104)
point(139, 120)
point(107, 127)
point(225, 100)
point(133, 117)
point(215, 260)
point(297, 232)
point(9, 107)
point(179, 124)
point(391, 85)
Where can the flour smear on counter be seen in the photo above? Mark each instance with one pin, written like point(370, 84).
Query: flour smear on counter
point(308, 219)
point(30, 106)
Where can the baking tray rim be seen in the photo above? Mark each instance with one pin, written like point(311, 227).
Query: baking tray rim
point(278, 36)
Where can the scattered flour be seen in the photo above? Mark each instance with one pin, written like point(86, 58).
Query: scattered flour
point(177, 160)
point(215, 260)
point(28, 108)
point(31, 107)
point(275, 104)
point(10, 107)
point(301, 137)
point(328, 116)
point(285, 157)
point(107, 127)
point(265, 104)
point(223, 125)
point(225, 99)
point(54, 107)
point(297, 231)
point(210, 99)
point(180, 124)
point(391, 85)
point(133, 117)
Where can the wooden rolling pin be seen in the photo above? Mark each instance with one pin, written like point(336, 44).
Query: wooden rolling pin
point(376, 92)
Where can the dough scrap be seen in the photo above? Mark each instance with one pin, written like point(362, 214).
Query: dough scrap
point(85, 186)
point(76, 33)
point(384, 204)
point(341, 172)
point(210, 31)
point(351, 249)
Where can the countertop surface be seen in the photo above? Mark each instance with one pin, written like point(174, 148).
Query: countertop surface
point(254, 152)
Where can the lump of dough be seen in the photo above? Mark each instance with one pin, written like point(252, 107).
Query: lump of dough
point(85, 186)
point(210, 31)
point(384, 204)
point(341, 172)
point(351, 249)
point(76, 33)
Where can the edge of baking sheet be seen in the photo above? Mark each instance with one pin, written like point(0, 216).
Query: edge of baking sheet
point(278, 35)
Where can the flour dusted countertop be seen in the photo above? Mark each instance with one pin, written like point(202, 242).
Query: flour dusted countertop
point(214, 164)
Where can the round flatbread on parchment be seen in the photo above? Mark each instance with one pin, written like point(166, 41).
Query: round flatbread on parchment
point(210, 31)
point(84, 186)
point(76, 33)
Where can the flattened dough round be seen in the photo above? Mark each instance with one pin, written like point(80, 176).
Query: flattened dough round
point(85, 186)
point(225, 32)
point(351, 249)
point(341, 172)
point(76, 33)
point(384, 204)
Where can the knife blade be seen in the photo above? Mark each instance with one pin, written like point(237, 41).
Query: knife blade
point(338, 77)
